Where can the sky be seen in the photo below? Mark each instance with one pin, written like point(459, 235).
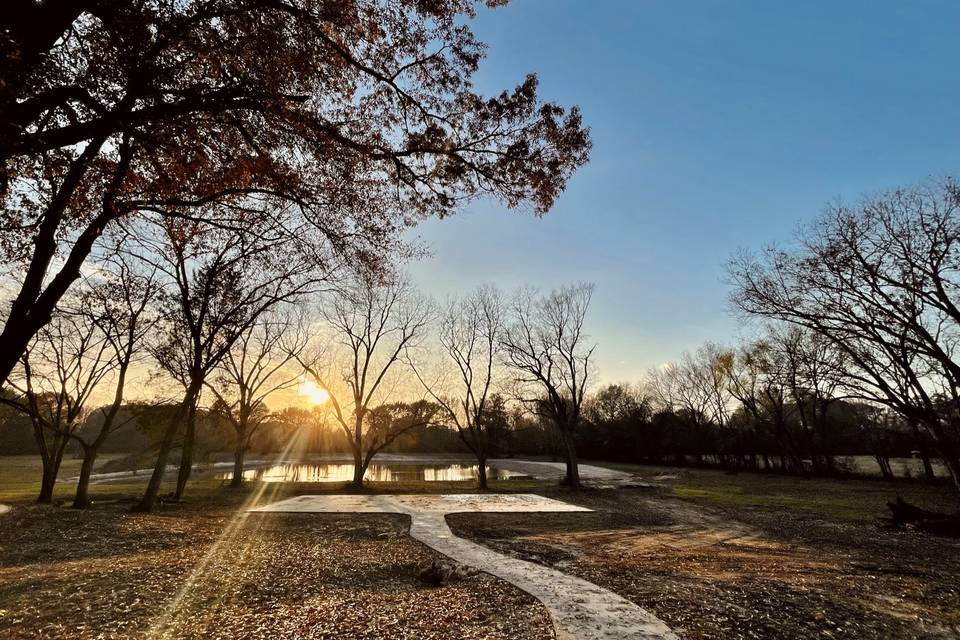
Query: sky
point(716, 126)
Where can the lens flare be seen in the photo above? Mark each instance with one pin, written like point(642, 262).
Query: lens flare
point(314, 393)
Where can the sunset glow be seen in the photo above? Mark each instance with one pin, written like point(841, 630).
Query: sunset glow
point(314, 393)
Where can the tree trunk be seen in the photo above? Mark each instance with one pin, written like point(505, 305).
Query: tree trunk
point(953, 466)
point(51, 469)
point(153, 487)
point(572, 478)
point(82, 498)
point(924, 453)
point(359, 470)
point(830, 463)
point(186, 453)
point(33, 306)
point(47, 482)
point(482, 472)
point(238, 455)
point(360, 463)
point(884, 463)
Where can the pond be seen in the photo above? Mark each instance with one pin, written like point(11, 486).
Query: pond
point(329, 472)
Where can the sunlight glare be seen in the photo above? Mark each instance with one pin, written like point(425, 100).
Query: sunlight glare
point(312, 392)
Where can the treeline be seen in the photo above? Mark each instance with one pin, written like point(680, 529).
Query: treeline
point(626, 424)
point(621, 423)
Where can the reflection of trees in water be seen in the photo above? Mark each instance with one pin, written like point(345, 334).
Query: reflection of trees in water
point(376, 472)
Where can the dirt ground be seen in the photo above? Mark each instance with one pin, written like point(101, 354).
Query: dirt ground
point(740, 571)
point(111, 574)
point(713, 555)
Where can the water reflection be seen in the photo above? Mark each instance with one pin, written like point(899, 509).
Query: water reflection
point(306, 472)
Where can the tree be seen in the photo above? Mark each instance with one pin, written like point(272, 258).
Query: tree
point(59, 374)
point(121, 308)
point(373, 325)
point(546, 347)
point(256, 367)
point(470, 334)
point(696, 387)
point(813, 370)
point(360, 115)
point(219, 283)
point(755, 378)
point(879, 282)
point(619, 417)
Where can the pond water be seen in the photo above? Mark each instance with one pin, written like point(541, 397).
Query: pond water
point(308, 472)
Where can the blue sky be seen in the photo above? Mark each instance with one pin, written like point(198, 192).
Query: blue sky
point(716, 126)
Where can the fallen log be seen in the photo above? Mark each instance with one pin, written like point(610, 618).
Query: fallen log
point(904, 514)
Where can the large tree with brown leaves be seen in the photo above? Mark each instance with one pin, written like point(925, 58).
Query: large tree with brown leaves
point(359, 115)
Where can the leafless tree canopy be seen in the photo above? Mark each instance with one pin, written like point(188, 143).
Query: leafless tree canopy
point(547, 349)
point(372, 325)
point(470, 332)
point(260, 363)
point(879, 281)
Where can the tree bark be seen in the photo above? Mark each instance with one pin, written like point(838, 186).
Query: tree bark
point(884, 463)
point(238, 455)
point(51, 469)
point(33, 305)
point(572, 478)
point(82, 498)
point(48, 481)
point(482, 472)
point(360, 464)
point(953, 466)
point(186, 452)
point(173, 426)
point(924, 453)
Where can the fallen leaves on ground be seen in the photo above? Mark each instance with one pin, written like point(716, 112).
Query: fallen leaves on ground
point(209, 571)
point(743, 573)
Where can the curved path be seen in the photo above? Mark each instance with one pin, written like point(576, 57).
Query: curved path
point(4, 508)
point(580, 610)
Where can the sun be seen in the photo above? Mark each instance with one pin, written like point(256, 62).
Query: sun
point(312, 392)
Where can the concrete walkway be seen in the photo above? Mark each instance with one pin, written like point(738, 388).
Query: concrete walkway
point(4, 508)
point(580, 610)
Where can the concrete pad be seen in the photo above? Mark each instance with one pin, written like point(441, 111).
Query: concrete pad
point(580, 610)
point(417, 503)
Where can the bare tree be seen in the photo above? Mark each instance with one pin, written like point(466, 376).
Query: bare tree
point(257, 366)
point(755, 378)
point(879, 281)
point(57, 377)
point(696, 388)
point(373, 325)
point(471, 333)
point(546, 347)
point(813, 370)
point(219, 283)
point(121, 307)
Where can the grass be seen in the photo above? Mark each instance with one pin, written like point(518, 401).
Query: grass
point(844, 499)
point(20, 484)
point(20, 481)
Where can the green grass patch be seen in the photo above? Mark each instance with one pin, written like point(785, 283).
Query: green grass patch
point(852, 498)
